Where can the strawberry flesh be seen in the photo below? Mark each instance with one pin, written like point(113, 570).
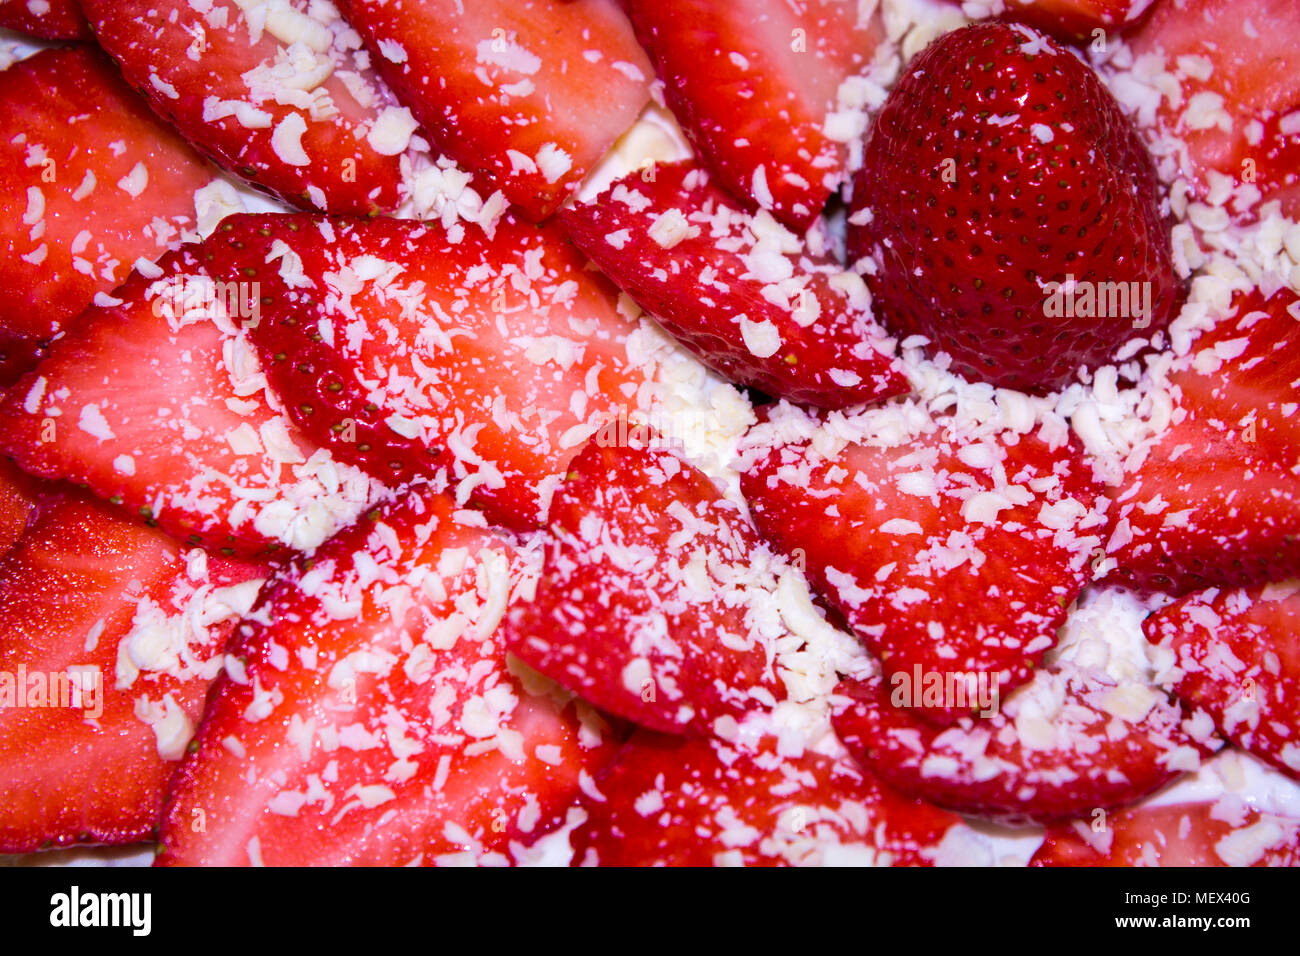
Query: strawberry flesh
point(85, 591)
point(739, 291)
point(265, 96)
point(407, 348)
point(669, 801)
point(91, 181)
point(645, 603)
point(370, 715)
point(532, 95)
point(1216, 500)
point(1239, 656)
point(756, 87)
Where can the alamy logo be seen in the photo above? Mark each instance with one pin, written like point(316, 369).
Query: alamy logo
point(74, 908)
point(951, 690)
point(77, 688)
point(1074, 299)
point(191, 295)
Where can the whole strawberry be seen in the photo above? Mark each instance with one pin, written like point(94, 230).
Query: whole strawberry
point(1012, 211)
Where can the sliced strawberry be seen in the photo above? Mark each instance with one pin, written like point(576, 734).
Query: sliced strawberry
point(89, 597)
point(1077, 19)
point(645, 606)
point(532, 94)
point(1216, 501)
point(1015, 222)
point(47, 19)
point(759, 88)
point(1227, 833)
point(1239, 654)
point(19, 497)
point(667, 801)
point(404, 347)
point(373, 716)
point(1067, 744)
point(739, 291)
point(947, 556)
point(158, 404)
point(281, 94)
point(1238, 111)
point(90, 181)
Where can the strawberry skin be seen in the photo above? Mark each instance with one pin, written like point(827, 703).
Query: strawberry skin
point(90, 181)
point(753, 84)
point(1095, 753)
point(85, 588)
point(944, 556)
point(266, 100)
point(405, 347)
point(370, 714)
point(1077, 20)
point(1183, 834)
point(157, 404)
point(59, 19)
point(1239, 654)
point(1216, 500)
point(532, 94)
point(669, 801)
point(999, 164)
point(643, 606)
point(739, 292)
point(1252, 51)
point(19, 499)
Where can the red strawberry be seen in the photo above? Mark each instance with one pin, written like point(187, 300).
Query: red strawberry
point(1239, 110)
point(158, 404)
point(673, 802)
point(947, 556)
point(644, 607)
point(532, 94)
point(739, 291)
point(280, 94)
point(1239, 656)
point(19, 497)
point(1077, 19)
point(1228, 833)
point(403, 347)
point(86, 592)
point(47, 19)
point(90, 181)
point(1216, 500)
point(373, 716)
point(1066, 745)
point(980, 200)
point(760, 90)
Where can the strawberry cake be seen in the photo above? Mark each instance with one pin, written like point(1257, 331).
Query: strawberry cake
point(650, 433)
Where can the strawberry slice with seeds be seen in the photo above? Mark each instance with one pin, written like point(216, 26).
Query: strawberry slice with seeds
point(947, 555)
point(111, 635)
point(669, 801)
point(765, 92)
point(405, 347)
point(1238, 652)
point(20, 497)
point(91, 181)
point(282, 95)
point(372, 716)
point(157, 404)
point(1216, 499)
point(1066, 744)
point(738, 290)
point(1225, 833)
point(1237, 106)
point(47, 19)
point(646, 604)
point(1077, 20)
point(531, 95)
